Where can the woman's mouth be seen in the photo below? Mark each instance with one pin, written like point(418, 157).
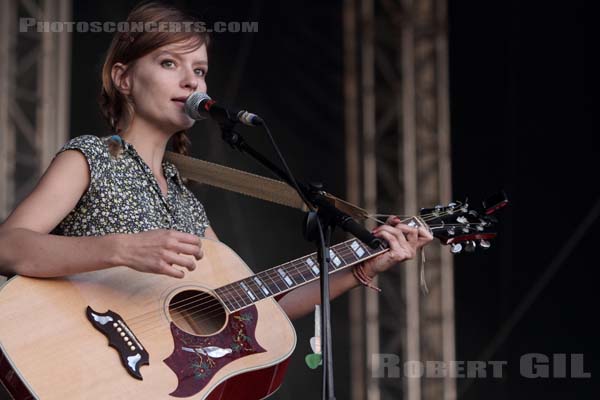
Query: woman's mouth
point(180, 101)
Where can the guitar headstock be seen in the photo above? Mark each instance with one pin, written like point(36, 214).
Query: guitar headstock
point(463, 228)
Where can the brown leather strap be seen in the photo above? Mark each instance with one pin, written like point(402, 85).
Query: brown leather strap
point(235, 180)
point(249, 184)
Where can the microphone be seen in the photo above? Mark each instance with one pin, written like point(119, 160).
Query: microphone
point(200, 106)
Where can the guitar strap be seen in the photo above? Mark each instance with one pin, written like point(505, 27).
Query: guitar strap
point(249, 184)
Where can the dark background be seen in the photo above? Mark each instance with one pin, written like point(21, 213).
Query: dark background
point(521, 119)
point(521, 109)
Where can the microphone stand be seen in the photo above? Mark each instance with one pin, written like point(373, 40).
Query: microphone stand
point(320, 224)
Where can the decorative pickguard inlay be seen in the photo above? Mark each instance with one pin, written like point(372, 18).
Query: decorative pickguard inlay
point(196, 359)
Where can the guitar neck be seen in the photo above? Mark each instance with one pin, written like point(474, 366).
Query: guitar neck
point(293, 274)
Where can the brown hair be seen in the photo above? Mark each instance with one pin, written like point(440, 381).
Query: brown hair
point(127, 47)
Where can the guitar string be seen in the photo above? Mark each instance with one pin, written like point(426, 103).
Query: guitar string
point(295, 275)
point(234, 295)
point(212, 312)
point(187, 299)
point(228, 291)
point(216, 307)
point(269, 273)
point(375, 219)
point(219, 309)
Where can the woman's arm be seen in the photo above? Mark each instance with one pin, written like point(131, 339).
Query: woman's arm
point(26, 248)
point(301, 301)
point(30, 253)
point(404, 242)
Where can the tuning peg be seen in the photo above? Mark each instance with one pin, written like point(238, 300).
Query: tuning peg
point(474, 213)
point(462, 219)
point(450, 231)
point(470, 246)
point(485, 244)
point(456, 248)
point(450, 209)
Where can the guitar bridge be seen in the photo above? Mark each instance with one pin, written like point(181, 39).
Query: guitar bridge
point(121, 338)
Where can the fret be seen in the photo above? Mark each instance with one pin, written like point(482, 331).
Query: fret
point(312, 265)
point(240, 296)
point(282, 280)
point(368, 250)
point(304, 270)
point(336, 261)
point(255, 287)
point(353, 251)
point(225, 298)
point(285, 277)
point(229, 293)
point(357, 249)
point(294, 272)
point(347, 254)
point(246, 289)
point(261, 286)
point(271, 277)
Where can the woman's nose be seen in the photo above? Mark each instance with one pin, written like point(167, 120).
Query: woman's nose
point(190, 84)
point(189, 81)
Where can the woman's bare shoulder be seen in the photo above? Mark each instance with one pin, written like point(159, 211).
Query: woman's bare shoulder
point(55, 195)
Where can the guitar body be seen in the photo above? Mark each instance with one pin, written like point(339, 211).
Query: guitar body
point(168, 338)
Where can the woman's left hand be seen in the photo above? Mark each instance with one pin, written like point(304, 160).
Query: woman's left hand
point(404, 242)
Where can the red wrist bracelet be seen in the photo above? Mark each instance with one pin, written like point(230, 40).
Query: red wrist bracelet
point(361, 276)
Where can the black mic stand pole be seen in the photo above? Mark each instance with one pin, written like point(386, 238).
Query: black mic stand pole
point(318, 228)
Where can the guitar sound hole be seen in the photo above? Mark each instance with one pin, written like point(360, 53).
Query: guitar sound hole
point(197, 312)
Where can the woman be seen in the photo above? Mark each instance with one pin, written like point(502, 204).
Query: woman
point(113, 201)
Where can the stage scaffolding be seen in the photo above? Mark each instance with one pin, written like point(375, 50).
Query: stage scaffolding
point(398, 160)
point(34, 95)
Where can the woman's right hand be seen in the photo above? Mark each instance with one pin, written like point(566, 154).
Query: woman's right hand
point(157, 251)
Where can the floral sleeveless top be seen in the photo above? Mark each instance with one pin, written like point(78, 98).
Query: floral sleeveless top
point(124, 196)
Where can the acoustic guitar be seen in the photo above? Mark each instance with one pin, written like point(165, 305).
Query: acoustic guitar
point(216, 334)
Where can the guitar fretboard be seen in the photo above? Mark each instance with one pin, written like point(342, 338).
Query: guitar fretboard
point(292, 274)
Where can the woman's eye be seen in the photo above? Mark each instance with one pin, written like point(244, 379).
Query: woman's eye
point(200, 71)
point(167, 63)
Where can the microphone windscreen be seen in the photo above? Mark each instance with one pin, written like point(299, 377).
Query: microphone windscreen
point(192, 106)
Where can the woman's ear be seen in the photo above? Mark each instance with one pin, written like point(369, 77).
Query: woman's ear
point(121, 78)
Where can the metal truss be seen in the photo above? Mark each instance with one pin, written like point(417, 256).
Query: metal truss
point(397, 131)
point(34, 102)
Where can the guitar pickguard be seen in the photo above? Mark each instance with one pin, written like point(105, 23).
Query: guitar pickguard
point(196, 359)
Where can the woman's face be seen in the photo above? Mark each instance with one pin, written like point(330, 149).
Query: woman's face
point(162, 80)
